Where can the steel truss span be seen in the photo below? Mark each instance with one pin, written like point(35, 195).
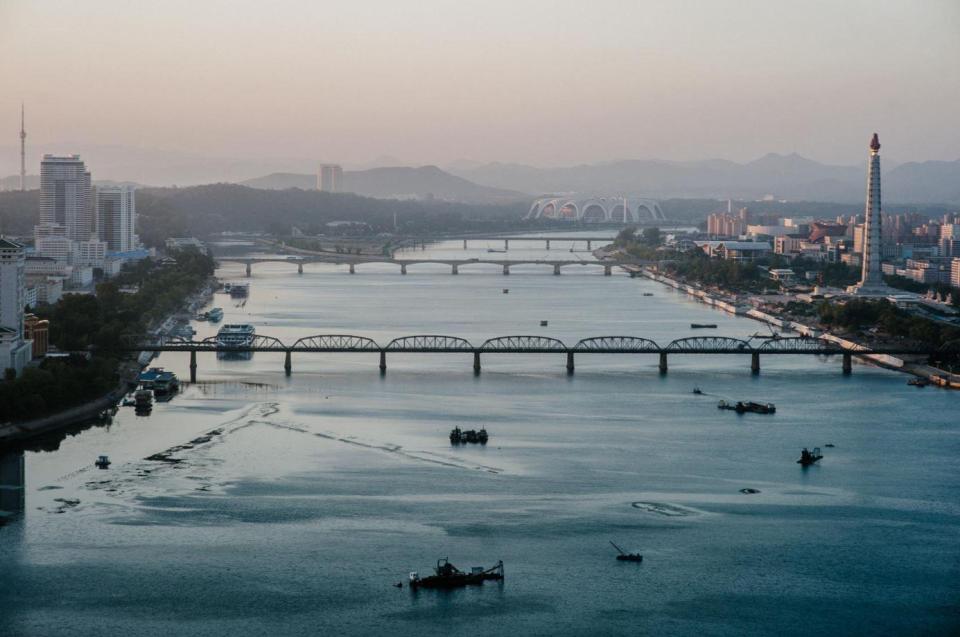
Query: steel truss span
point(335, 343)
point(429, 343)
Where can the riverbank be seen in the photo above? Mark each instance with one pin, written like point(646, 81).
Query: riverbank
point(733, 305)
point(127, 372)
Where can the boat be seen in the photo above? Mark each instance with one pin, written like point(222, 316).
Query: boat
point(648, 293)
point(446, 575)
point(227, 287)
point(129, 400)
point(143, 400)
point(459, 436)
point(544, 323)
point(506, 290)
point(238, 336)
point(494, 250)
point(742, 407)
point(807, 457)
point(102, 462)
point(239, 290)
point(697, 391)
point(159, 380)
point(918, 382)
point(703, 326)
point(627, 557)
point(214, 315)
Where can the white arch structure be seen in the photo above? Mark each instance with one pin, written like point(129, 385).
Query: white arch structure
point(597, 209)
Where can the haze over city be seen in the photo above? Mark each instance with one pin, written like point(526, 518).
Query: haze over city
point(287, 84)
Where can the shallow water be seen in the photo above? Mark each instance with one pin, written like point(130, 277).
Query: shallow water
point(317, 492)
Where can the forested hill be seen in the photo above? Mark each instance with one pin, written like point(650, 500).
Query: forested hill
point(204, 210)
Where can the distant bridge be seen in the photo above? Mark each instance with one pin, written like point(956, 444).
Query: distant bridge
point(455, 264)
point(439, 344)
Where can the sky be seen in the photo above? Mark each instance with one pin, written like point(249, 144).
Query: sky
point(434, 81)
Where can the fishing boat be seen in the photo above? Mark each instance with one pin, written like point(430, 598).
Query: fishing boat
point(626, 557)
point(102, 462)
point(446, 575)
point(697, 391)
point(544, 323)
point(808, 457)
point(742, 407)
point(702, 326)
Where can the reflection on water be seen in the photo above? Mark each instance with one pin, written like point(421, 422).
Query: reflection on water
point(12, 483)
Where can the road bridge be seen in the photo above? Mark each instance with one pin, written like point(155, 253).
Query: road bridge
point(521, 344)
point(503, 265)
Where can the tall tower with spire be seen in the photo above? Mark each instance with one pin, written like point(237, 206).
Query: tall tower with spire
point(871, 278)
point(23, 152)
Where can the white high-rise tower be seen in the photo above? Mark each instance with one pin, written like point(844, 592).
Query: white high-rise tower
point(871, 279)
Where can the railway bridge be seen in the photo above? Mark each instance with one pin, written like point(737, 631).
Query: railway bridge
point(523, 344)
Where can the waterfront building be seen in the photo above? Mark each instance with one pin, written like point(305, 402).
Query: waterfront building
point(871, 279)
point(14, 350)
point(736, 250)
point(330, 178)
point(66, 197)
point(117, 217)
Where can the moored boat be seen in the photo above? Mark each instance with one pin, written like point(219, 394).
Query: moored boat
point(701, 326)
point(742, 407)
point(623, 556)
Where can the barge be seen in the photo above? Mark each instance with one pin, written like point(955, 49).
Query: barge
point(446, 575)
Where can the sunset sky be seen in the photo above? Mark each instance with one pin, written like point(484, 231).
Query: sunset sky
point(432, 81)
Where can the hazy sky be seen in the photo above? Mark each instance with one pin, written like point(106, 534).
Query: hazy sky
point(431, 81)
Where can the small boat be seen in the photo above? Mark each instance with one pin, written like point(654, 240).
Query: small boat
point(143, 400)
point(918, 382)
point(829, 445)
point(102, 462)
point(702, 326)
point(494, 250)
point(214, 315)
point(446, 575)
point(506, 290)
point(458, 436)
point(742, 407)
point(697, 391)
point(544, 323)
point(648, 293)
point(808, 457)
point(129, 401)
point(627, 557)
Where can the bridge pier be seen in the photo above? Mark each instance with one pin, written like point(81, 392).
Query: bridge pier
point(299, 268)
point(506, 244)
point(755, 363)
point(464, 244)
point(383, 362)
point(249, 269)
point(506, 269)
point(847, 364)
point(453, 269)
point(548, 244)
point(663, 362)
point(193, 366)
point(588, 244)
point(476, 363)
point(556, 269)
point(403, 268)
point(570, 362)
point(607, 270)
point(353, 269)
point(287, 363)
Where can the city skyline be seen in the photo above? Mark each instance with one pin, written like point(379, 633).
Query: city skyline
point(561, 86)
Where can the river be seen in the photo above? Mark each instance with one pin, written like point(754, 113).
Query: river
point(315, 493)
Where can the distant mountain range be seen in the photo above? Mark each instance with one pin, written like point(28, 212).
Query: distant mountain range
point(784, 176)
point(424, 182)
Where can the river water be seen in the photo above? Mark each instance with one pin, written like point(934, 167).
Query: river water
point(314, 494)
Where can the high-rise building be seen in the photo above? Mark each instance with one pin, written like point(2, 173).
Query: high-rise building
point(14, 350)
point(117, 217)
point(330, 178)
point(950, 240)
point(66, 197)
point(871, 278)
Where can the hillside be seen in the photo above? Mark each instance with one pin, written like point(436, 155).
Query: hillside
point(425, 182)
point(784, 176)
